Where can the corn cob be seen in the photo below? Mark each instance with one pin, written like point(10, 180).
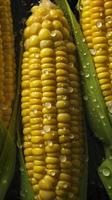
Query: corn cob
point(7, 61)
point(96, 24)
point(51, 107)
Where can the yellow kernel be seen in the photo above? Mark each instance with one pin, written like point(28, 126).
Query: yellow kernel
point(37, 151)
point(51, 136)
point(51, 160)
point(46, 44)
point(44, 34)
point(61, 72)
point(38, 176)
point(64, 22)
point(63, 131)
point(70, 47)
point(46, 110)
point(59, 43)
point(48, 76)
point(39, 169)
point(62, 104)
point(100, 59)
point(36, 83)
point(48, 82)
point(66, 33)
point(27, 44)
point(31, 20)
point(46, 195)
point(53, 148)
point(46, 52)
point(34, 41)
point(56, 35)
point(48, 88)
point(49, 94)
point(57, 24)
point(27, 32)
point(48, 122)
point(61, 59)
point(47, 62)
point(35, 28)
point(56, 13)
point(39, 162)
point(34, 50)
point(47, 24)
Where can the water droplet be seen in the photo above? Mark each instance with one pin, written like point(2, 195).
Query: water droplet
point(109, 187)
point(19, 145)
point(85, 54)
point(82, 73)
point(87, 75)
point(80, 7)
point(99, 24)
point(88, 63)
point(109, 34)
point(87, 159)
point(34, 112)
point(85, 98)
point(98, 106)
point(71, 89)
point(47, 129)
point(94, 75)
point(94, 100)
point(72, 136)
point(101, 14)
point(91, 87)
point(4, 181)
point(102, 117)
point(110, 157)
point(22, 193)
point(104, 124)
point(63, 158)
point(40, 145)
point(52, 173)
point(106, 172)
point(93, 52)
point(65, 186)
point(21, 169)
point(109, 106)
point(84, 66)
point(71, 195)
point(50, 143)
point(29, 137)
point(48, 105)
point(45, 71)
point(83, 39)
point(64, 97)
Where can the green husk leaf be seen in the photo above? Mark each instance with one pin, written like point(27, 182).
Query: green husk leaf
point(83, 190)
point(95, 106)
point(105, 173)
point(7, 161)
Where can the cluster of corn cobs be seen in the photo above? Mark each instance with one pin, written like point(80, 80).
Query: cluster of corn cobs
point(53, 125)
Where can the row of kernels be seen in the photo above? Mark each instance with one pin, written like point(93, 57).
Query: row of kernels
point(25, 105)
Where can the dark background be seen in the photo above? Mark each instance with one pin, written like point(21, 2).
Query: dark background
point(96, 191)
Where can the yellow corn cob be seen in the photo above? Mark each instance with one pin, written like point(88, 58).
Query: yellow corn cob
point(96, 21)
point(51, 106)
point(7, 61)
